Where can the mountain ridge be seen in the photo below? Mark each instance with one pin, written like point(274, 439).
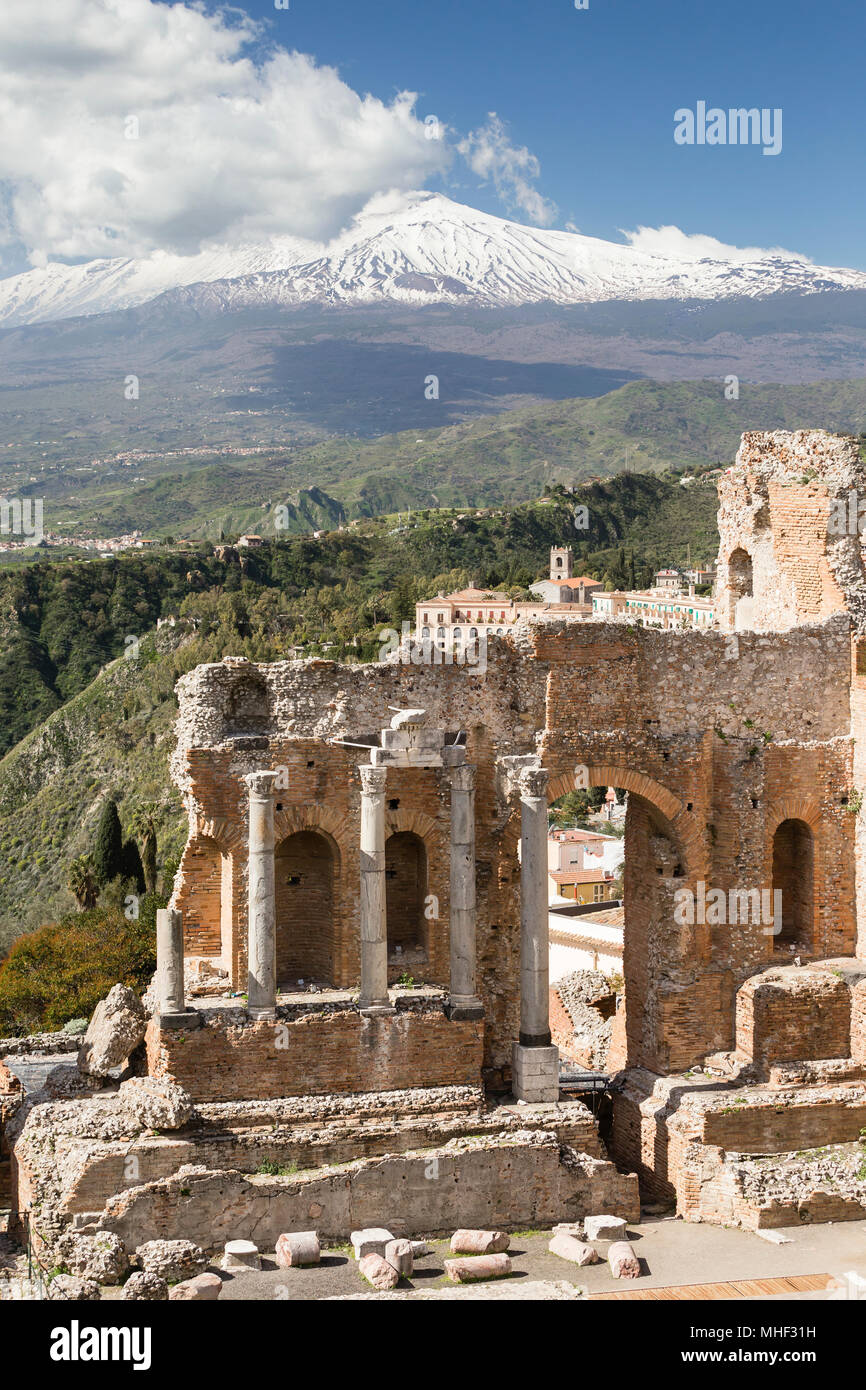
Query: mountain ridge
point(410, 249)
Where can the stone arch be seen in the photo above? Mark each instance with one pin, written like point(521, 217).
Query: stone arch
point(306, 875)
point(615, 775)
point(612, 775)
point(806, 811)
point(793, 870)
point(740, 587)
point(291, 820)
point(665, 853)
point(406, 868)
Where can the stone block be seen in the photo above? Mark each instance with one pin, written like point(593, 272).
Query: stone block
point(535, 1074)
point(117, 1027)
point(398, 1253)
point(466, 1242)
point(101, 1257)
point(145, 1288)
point(296, 1248)
point(605, 1228)
point(156, 1102)
point(204, 1288)
point(69, 1288)
point(472, 1267)
point(241, 1254)
point(624, 1263)
point(378, 1272)
point(370, 1241)
point(570, 1248)
point(171, 1259)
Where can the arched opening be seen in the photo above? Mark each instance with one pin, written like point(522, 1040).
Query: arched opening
point(741, 587)
point(405, 891)
point(305, 867)
point(793, 877)
point(628, 869)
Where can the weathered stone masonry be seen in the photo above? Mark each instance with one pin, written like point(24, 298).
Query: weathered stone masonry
point(335, 843)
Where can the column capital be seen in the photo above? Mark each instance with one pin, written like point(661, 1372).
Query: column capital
point(462, 777)
point(532, 781)
point(372, 779)
point(260, 784)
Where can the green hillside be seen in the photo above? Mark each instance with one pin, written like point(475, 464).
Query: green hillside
point(645, 426)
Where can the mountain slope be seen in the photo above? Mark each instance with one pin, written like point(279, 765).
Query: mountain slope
point(644, 426)
point(413, 249)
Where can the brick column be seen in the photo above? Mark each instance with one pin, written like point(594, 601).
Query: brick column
point(261, 916)
point(535, 1062)
point(374, 921)
point(463, 1002)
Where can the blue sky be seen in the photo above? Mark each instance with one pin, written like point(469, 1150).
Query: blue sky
point(134, 127)
point(592, 94)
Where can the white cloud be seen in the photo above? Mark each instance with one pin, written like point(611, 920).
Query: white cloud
point(490, 154)
point(685, 246)
point(230, 149)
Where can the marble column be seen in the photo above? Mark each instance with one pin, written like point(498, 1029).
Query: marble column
point(170, 1001)
point(261, 917)
point(463, 1002)
point(169, 961)
point(535, 1062)
point(374, 920)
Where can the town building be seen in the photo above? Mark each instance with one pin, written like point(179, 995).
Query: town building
point(583, 865)
point(585, 937)
point(457, 619)
point(665, 608)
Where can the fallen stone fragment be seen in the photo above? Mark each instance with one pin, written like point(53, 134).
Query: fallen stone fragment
point(241, 1254)
point(774, 1237)
point(464, 1271)
point(419, 1248)
point(204, 1288)
point(117, 1027)
point(378, 1272)
point(624, 1263)
point(569, 1228)
point(171, 1259)
point(467, 1242)
point(295, 1248)
point(66, 1082)
point(101, 1257)
point(370, 1241)
point(145, 1287)
point(68, 1288)
point(155, 1102)
point(605, 1228)
point(568, 1247)
point(398, 1253)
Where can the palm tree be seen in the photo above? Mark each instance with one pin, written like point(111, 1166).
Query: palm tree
point(81, 882)
point(144, 829)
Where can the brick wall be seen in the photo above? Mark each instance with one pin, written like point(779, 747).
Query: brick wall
point(788, 1014)
point(319, 1053)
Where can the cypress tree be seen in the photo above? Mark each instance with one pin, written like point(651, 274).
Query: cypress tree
point(108, 850)
point(132, 866)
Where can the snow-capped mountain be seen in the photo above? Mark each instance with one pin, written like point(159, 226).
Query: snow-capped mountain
point(418, 248)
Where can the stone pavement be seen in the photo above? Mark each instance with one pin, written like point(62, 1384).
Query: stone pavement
point(672, 1253)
